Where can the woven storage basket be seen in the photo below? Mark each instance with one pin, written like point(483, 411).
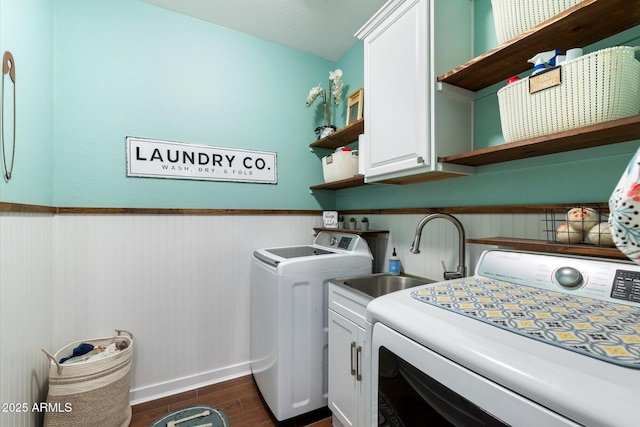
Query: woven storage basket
point(513, 17)
point(340, 165)
point(92, 393)
point(598, 87)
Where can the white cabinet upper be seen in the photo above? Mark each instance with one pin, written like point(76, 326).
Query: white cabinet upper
point(411, 118)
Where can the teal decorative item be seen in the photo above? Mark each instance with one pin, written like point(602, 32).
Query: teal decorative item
point(192, 416)
point(624, 211)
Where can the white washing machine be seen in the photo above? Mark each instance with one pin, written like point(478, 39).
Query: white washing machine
point(289, 310)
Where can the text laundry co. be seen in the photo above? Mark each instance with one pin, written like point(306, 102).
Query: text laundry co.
point(165, 159)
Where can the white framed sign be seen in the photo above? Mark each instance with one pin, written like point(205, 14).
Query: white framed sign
point(153, 158)
point(330, 219)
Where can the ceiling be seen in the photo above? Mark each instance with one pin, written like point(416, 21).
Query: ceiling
point(324, 28)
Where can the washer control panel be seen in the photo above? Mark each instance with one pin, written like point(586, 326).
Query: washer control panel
point(626, 286)
point(342, 241)
point(609, 280)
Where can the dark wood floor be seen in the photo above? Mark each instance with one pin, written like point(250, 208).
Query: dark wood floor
point(238, 398)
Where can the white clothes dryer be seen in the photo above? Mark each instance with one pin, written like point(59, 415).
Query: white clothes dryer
point(289, 318)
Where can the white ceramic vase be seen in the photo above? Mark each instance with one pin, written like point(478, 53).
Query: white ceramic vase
point(326, 131)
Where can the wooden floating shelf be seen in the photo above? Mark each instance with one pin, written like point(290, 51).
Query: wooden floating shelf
point(612, 132)
point(341, 137)
point(356, 181)
point(584, 24)
point(544, 246)
point(348, 230)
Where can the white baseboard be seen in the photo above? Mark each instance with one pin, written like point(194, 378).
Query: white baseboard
point(179, 385)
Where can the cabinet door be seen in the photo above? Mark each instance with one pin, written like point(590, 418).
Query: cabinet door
point(345, 390)
point(396, 94)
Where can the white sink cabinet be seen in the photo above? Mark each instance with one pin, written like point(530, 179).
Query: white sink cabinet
point(411, 118)
point(349, 358)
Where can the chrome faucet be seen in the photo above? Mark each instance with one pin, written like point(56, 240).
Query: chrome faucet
point(461, 270)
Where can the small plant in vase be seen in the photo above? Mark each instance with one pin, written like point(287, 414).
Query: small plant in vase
point(341, 222)
point(334, 91)
point(352, 223)
point(364, 223)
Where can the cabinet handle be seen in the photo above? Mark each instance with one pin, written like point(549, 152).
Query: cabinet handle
point(353, 368)
point(359, 363)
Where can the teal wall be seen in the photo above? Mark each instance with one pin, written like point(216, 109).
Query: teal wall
point(352, 66)
point(26, 30)
point(91, 72)
point(127, 68)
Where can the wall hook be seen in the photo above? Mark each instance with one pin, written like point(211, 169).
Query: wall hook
point(8, 66)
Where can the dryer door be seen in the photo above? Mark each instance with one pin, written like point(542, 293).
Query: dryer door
point(420, 387)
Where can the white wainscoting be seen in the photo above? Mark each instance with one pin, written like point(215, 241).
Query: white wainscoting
point(26, 289)
point(179, 283)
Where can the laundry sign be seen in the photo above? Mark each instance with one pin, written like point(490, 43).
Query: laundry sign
point(175, 160)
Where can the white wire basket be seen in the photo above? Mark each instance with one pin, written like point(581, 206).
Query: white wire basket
point(578, 225)
point(595, 88)
point(513, 17)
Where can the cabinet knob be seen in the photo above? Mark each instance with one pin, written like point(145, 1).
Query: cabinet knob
point(420, 159)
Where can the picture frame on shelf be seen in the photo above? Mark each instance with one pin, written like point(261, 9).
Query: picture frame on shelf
point(330, 219)
point(354, 106)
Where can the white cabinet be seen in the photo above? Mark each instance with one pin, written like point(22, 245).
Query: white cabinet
point(411, 118)
point(346, 345)
point(349, 358)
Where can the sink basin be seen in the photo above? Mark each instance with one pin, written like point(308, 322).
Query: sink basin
point(375, 285)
